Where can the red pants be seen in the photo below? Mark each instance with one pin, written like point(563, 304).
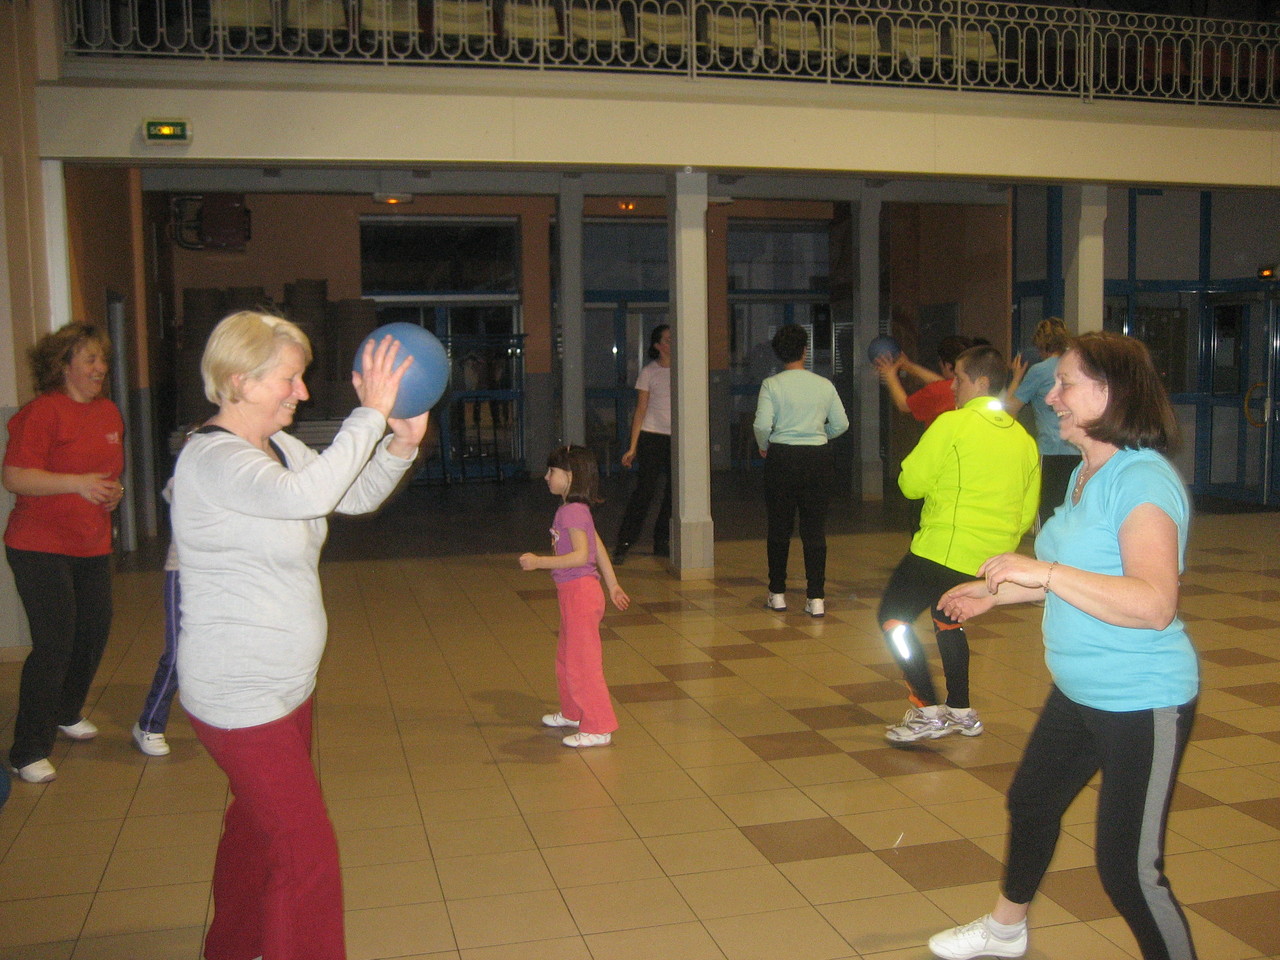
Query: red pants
point(584, 697)
point(277, 887)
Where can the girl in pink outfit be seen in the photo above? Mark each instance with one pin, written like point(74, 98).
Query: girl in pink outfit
point(578, 561)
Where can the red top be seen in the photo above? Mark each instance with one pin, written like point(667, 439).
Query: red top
point(61, 435)
point(931, 400)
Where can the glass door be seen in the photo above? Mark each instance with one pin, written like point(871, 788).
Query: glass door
point(1242, 373)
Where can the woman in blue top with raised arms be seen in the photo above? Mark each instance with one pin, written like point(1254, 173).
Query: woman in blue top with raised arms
point(1124, 672)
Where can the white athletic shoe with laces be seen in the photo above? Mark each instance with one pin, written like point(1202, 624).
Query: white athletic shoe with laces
point(82, 729)
point(976, 940)
point(577, 740)
point(776, 601)
point(558, 720)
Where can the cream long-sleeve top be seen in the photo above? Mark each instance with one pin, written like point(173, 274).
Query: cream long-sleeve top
point(249, 532)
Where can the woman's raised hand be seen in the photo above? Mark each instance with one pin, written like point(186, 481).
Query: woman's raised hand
point(378, 380)
point(407, 435)
point(967, 600)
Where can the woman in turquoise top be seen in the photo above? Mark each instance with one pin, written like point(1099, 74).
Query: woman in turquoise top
point(1124, 672)
point(1031, 384)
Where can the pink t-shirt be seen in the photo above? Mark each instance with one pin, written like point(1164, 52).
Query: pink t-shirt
point(573, 516)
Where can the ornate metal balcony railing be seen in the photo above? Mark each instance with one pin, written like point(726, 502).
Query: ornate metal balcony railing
point(957, 44)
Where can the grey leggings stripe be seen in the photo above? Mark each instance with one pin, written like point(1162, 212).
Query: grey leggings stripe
point(1164, 910)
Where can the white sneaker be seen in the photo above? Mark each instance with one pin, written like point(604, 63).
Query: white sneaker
point(82, 729)
point(816, 607)
point(966, 724)
point(976, 940)
point(776, 601)
point(558, 720)
point(587, 740)
point(152, 744)
point(920, 723)
point(39, 772)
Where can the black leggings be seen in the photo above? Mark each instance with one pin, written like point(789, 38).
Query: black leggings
point(1138, 753)
point(653, 463)
point(798, 482)
point(68, 605)
point(918, 584)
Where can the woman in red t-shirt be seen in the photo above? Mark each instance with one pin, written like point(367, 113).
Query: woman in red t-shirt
point(63, 463)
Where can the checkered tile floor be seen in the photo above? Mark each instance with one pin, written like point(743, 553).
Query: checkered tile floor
point(748, 808)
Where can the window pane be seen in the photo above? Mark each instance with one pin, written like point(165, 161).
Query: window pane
point(438, 256)
point(778, 256)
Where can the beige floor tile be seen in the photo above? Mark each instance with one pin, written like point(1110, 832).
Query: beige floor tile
point(515, 918)
point(170, 830)
point(159, 866)
point(367, 813)
point(768, 806)
point(731, 893)
point(626, 905)
point(390, 885)
point(801, 933)
point(854, 876)
point(383, 845)
point(65, 839)
point(52, 876)
point(832, 768)
point(399, 931)
point(592, 825)
point(461, 838)
point(63, 807)
point(493, 874)
point(676, 941)
point(1260, 859)
point(864, 796)
point(887, 923)
point(134, 910)
point(559, 948)
point(901, 826)
point(666, 817)
point(1206, 875)
point(181, 944)
point(481, 803)
point(707, 850)
point(588, 864)
point(1220, 826)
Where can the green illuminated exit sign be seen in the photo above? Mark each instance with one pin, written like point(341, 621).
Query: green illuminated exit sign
point(166, 131)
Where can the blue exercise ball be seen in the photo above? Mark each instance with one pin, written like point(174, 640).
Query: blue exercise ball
point(425, 381)
point(883, 347)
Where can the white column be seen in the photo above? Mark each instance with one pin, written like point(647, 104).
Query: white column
point(1084, 216)
point(692, 542)
point(14, 635)
point(869, 210)
point(573, 391)
point(55, 245)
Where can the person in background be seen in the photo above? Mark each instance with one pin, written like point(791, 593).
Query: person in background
point(651, 447)
point(1125, 675)
point(1030, 384)
point(797, 414)
point(979, 476)
point(250, 503)
point(148, 732)
point(578, 561)
point(935, 396)
point(63, 462)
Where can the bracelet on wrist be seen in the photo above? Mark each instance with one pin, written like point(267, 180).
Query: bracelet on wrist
point(1049, 576)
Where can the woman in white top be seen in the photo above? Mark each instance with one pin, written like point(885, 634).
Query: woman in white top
point(250, 503)
point(651, 447)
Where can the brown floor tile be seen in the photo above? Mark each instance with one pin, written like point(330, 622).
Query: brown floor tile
point(1189, 798)
point(929, 866)
point(1263, 694)
point(775, 635)
point(738, 651)
point(874, 692)
point(803, 840)
point(832, 717)
point(1079, 891)
point(1236, 656)
point(1251, 623)
point(695, 671)
point(1251, 919)
point(899, 761)
point(1211, 728)
point(997, 776)
point(646, 692)
point(787, 746)
point(1267, 811)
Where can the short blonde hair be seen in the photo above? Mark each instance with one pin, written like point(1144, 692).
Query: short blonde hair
point(245, 344)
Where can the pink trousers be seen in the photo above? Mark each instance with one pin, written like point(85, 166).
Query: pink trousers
point(584, 697)
point(277, 886)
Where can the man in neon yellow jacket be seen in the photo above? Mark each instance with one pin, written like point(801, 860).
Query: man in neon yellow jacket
point(978, 472)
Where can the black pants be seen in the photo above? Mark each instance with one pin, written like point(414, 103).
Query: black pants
point(653, 462)
point(918, 584)
point(798, 482)
point(1055, 474)
point(68, 605)
point(1138, 753)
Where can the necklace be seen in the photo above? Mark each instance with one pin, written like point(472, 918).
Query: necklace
point(1085, 473)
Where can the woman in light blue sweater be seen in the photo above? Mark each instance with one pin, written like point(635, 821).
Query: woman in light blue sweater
point(796, 414)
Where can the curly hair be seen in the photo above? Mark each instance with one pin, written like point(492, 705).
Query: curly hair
point(790, 342)
point(1051, 336)
point(53, 352)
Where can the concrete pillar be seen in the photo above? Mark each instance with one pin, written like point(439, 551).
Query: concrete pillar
point(55, 243)
point(692, 541)
point(869, 209)
point(1084, 216)
point(573, 334)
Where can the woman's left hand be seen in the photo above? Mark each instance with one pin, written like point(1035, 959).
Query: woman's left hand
point(407, 435)
point(1013, 568)
point(113, 498)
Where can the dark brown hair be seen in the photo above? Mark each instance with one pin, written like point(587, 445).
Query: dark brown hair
point(1051, 336)
point(790, 341)
point(53, 352)
point(985, 361)
point(1138, 412)
point(584, 478)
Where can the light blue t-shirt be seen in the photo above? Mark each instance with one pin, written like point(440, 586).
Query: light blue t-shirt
point(1035, 386)
point(1099, 664)
point(800, 408)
